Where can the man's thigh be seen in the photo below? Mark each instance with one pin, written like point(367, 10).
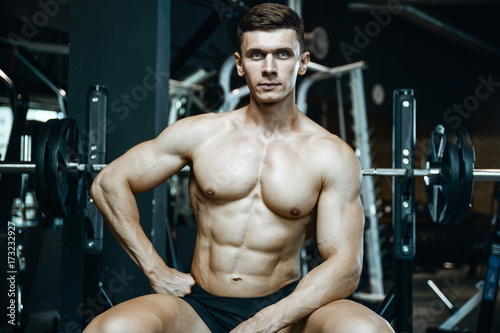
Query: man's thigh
point(154, 313)
point(342, 316)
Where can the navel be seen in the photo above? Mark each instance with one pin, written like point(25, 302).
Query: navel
point(295, 211)
point(236, 279)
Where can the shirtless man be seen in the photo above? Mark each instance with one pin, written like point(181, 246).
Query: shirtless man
point(264, 179)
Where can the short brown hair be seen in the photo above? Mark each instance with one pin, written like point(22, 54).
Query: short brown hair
point(271, 16)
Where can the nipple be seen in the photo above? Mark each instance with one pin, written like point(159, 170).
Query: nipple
point(295, 211)
point(210, 192)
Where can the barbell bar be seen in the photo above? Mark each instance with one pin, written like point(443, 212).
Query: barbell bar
point(60, 174)
point(479, 174)
point(30, 167)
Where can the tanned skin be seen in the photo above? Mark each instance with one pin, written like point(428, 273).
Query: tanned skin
point(263, 180)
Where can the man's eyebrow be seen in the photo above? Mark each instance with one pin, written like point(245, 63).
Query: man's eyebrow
point(279, 49)
point(253, 50)
point(287, 49)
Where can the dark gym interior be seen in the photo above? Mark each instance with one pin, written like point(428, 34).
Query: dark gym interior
point(56, 55)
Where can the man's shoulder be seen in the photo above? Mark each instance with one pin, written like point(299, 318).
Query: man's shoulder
point(204, 118)
point(203, 124)
point(188, 133)
point(331, 152)
point(323, 139)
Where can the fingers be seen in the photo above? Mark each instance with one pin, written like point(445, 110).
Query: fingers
point(174, 283)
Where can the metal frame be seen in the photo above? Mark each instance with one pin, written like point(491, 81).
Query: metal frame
point(404, 137)
point(368, 194)
point(97, 106)
point(435, 24)
point(60, 93)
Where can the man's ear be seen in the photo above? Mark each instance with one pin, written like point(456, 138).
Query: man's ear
point(304, 61)
point(239, 64)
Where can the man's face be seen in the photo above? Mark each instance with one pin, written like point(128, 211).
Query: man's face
point(270, 61)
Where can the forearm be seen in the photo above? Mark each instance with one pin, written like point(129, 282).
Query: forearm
point(330, 281)
point(119, 209)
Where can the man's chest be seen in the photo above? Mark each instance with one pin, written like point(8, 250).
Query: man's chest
point(280, 173)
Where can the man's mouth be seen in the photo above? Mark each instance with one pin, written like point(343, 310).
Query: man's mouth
point(268, 85)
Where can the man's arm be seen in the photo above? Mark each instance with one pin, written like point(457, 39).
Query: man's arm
point(340, 225)
point(140, 169)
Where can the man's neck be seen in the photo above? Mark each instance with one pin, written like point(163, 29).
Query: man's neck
point(273, 117)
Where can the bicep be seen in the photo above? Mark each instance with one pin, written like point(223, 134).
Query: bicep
point(146, 165)
point(150, 163)
point(340, 219)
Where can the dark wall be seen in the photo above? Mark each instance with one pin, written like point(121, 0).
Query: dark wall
point(123, 45)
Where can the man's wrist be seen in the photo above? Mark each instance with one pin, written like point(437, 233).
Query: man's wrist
point(155, 271)
point(289, 310)
point(272, 318)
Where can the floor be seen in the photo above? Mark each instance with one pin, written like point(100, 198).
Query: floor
point(458, 286)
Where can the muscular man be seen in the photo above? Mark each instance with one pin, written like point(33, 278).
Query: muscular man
point(264, 179)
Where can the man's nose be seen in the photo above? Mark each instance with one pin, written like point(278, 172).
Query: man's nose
point(269, 65)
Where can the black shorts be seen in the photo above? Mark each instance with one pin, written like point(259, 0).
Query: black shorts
point(222, 314)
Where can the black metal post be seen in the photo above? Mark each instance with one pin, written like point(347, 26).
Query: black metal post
point(97, 104)
point(403, 208)
point(92, 222)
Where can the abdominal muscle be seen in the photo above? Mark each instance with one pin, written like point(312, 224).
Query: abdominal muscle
point(245, 250)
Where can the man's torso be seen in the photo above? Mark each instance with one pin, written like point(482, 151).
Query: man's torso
point(254, 199)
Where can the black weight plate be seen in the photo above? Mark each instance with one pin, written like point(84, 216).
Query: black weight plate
point(435, 198)
point(56, 205)
point(454, 184)
point(467, 158)
point(41, 191)
point(76, 181)
point(64, 183)
point(443, 189)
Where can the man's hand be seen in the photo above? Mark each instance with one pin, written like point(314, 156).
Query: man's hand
point(171, 281)
point(264, 321)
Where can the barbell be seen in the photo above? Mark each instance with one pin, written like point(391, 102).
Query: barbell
point(59, 171)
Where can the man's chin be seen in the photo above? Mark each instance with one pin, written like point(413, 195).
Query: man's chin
point(269, 99)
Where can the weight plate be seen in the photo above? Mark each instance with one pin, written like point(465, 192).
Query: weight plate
point(41, 167)
point(64, 183)
point(467, 158)
point(443, 189)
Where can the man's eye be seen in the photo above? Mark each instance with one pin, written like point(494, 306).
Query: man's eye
point(256, 55)
point(283, 54)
